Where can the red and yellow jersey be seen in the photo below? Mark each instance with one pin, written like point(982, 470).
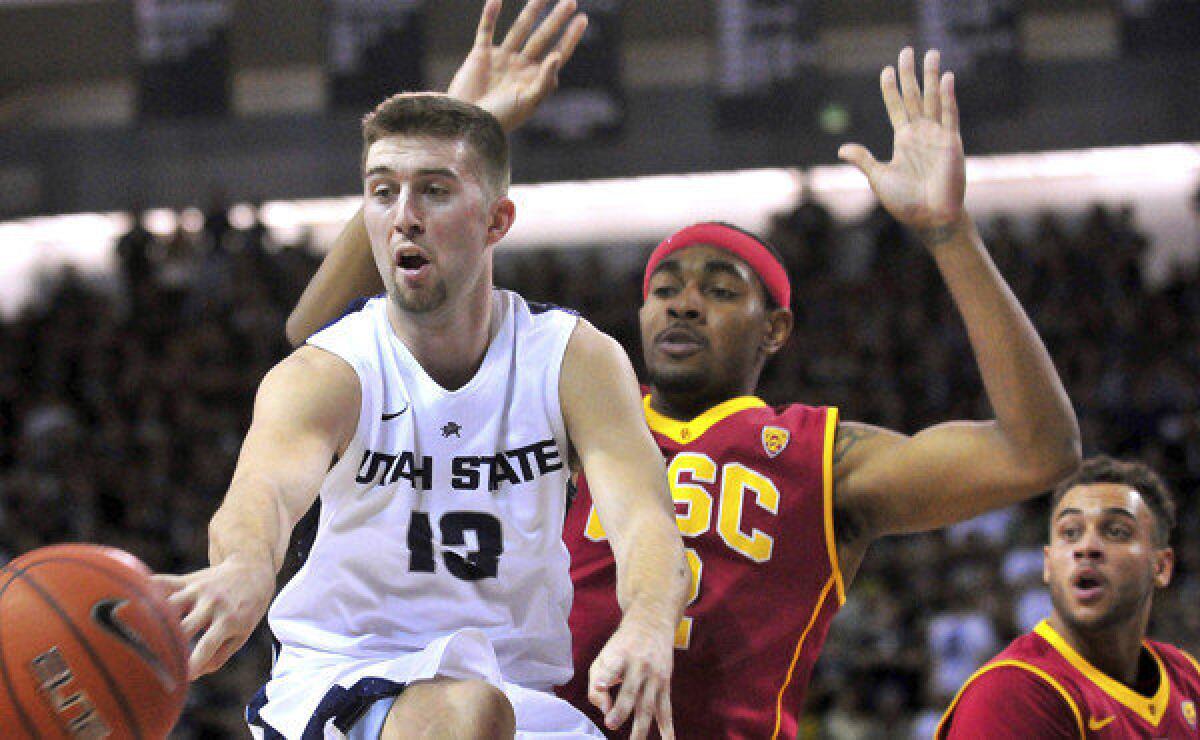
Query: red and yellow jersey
point(1041, 687)
point(753, 489)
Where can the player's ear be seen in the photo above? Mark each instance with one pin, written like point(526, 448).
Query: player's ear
point(779, 328)
point(1046, 564)
point(500, 219)
point(1164, 566)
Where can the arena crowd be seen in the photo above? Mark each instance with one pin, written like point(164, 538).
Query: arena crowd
point(122, 411)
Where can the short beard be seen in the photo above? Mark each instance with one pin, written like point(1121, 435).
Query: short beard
point(1122, 612)
point(424, 301)
point(681, 382)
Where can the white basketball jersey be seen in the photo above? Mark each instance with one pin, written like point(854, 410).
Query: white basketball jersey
point(447, 509)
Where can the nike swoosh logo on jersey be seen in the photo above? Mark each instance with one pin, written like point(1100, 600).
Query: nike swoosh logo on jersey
point(389, 417)
point(1096, 725)
point(104, 613)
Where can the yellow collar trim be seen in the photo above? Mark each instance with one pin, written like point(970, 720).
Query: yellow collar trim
point(1150, 708)
point(684, 432)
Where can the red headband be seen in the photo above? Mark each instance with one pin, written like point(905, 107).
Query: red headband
point(738, 243)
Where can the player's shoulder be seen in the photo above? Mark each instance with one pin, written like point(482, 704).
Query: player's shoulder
point(1177, 658)
point(536, 313)
point(310, 366)
point(553, 310)
point(792, 419)
point(1014, 677)
point(1027, 663)
point(544, 330)
point(1012, 692)
point(353, 321)
point(802, 414)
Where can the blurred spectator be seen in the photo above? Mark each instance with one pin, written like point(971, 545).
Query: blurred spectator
point(134, 253)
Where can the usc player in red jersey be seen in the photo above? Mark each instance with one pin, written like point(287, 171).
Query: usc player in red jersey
point(1088, 671)
point(779, 504)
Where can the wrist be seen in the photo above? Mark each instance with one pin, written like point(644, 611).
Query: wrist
point(248, 563)
point(960, 230)
point(650, 616)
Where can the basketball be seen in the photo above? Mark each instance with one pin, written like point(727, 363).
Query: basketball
point(89, 647)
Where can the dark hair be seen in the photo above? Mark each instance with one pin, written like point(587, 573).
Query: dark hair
point(1138, 476)
point(443, 117)
point(771, 303)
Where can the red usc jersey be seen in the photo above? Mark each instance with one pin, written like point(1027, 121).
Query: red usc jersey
point(1040, 687)
point(753, 488)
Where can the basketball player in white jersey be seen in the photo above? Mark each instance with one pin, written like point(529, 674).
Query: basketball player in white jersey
point(435, 597)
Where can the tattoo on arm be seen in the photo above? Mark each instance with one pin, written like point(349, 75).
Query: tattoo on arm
point(937, 235)
point(848, 525)
point(847, 438)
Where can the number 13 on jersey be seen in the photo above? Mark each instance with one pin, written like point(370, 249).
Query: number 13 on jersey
point(690, 474)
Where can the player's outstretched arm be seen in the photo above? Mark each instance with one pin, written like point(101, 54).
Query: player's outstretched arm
point(885, 482)
point(305, 412)
point(347, 272)
point(628, 481)
point(509, 80)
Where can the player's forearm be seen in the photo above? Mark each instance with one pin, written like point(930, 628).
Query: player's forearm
point(1033, 412)
point(652, 574)
point(252, 525)
point(347, 272)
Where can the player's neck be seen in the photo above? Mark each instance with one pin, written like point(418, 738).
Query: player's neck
point(1115, 650)
point(685, 407)
point(451, 342)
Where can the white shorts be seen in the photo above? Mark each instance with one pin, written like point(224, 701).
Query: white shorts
point(315, 696)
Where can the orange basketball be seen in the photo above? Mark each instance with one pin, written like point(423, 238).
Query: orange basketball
point(89, 647)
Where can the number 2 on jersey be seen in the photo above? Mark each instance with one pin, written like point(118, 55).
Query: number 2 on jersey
point(737, 484)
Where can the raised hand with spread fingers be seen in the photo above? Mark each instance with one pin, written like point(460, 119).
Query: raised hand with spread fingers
point(924, 183)
point(510, 79)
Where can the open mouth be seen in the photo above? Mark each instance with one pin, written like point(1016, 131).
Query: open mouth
point(1088, 585)
point(411, 262)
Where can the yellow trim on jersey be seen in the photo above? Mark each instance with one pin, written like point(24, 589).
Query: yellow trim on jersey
point(1149, 708)
point(943, 727)
point(831, 422)
point(1192, 660)
point(796, 656)
point(685, 432)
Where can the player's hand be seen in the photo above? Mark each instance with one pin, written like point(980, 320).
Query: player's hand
point(510, 80)
point(923, 186)
point(637, 662)
point(222, 604)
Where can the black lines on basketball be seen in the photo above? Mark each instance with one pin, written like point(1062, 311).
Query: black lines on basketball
point(111, 683)
point(26, 722)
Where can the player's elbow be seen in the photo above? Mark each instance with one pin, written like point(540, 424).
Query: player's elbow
point(1048, 465)
point(295, 330)
point(1056, 459)
point(1039, 458)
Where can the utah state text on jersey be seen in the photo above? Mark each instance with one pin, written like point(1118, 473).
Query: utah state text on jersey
point(469, 472)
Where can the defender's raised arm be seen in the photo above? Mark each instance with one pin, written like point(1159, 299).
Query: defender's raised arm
point(887, 482)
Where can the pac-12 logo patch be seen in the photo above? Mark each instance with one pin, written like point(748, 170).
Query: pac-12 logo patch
point(774, 440)
point(1189, 713)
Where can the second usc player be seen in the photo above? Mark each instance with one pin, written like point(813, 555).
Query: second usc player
point(1088, 670)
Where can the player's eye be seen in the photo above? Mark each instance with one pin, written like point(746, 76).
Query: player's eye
point(1070, 533)
point(723, 294)
point(381, 191)
point(1119, 532)
point(437, 189)
point(664, 291)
